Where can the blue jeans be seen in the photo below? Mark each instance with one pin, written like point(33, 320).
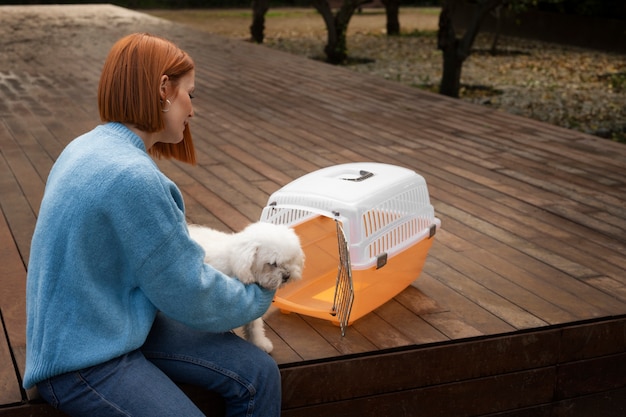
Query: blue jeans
point(143, 382)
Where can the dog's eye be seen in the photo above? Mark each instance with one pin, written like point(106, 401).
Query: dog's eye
point(273, 264)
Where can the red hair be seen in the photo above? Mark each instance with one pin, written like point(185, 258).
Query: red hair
point(129, 89)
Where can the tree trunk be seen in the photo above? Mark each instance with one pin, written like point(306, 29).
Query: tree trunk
point(257, 29)
point(456, 50)
point(392, 10)
point(451, 77)
point(324, 9)
point(449, 44)
point(496, 36)
point(336, 49)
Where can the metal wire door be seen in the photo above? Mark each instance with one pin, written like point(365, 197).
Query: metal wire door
point(344, 289)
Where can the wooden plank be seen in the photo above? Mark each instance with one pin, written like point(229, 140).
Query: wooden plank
point(461, 317)
point(533, 248)
point(538, 296)
point(380, 333)
point(352, 343)
point(605, 404)
point(527, 359)
point(466, 398)
point(594, 303)
point(609, 285)
point(591, 376)
point(538, 155)
point(520, 219)
point(16, 210)
point(545, 227)
point(594, 339)
point(571, 180)
point(485, 297)
point(413, 327)
point(28, 161)
point(301, 337)
point(501, 281)
point(10, 390)
point(12, 296)
point(389, 372)
point(282, 353)
point(418, 302)
point(543, 410)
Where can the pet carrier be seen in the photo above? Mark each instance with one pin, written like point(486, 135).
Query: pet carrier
point(365, 228)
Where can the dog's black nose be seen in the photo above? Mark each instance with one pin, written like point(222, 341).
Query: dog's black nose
point(286, 277)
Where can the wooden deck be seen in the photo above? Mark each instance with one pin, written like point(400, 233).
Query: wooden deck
point(521, 308)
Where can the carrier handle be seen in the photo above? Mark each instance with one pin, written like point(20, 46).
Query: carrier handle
point(364, 175)
point(330, 214)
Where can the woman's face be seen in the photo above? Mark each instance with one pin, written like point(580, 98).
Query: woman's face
point(180, 109)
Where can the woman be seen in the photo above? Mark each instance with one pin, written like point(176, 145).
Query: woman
point(120, 305)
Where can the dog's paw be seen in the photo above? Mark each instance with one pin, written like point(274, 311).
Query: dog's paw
point(263, 343)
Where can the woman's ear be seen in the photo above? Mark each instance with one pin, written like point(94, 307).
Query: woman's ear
point(164, 86)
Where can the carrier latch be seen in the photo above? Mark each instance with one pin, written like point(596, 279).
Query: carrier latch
point(381, 260)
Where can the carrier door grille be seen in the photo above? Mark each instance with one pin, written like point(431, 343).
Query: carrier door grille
point(344, 289)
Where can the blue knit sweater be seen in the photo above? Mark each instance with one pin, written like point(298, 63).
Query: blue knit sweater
point(111, 248)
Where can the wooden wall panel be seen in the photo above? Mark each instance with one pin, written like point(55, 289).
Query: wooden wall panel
point(523, 374)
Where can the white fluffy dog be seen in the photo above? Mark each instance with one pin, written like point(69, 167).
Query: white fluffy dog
point(265, 253)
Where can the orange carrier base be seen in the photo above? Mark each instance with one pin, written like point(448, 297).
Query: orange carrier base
point(314, 294)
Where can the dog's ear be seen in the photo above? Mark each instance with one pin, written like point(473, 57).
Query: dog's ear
point(245, 262)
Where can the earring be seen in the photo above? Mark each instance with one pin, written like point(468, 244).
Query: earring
point(169, 104)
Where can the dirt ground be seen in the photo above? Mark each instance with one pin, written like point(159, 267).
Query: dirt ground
point(297, 22)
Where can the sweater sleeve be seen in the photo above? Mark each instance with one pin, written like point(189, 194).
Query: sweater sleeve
point(168, 265)
point(188, 290)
